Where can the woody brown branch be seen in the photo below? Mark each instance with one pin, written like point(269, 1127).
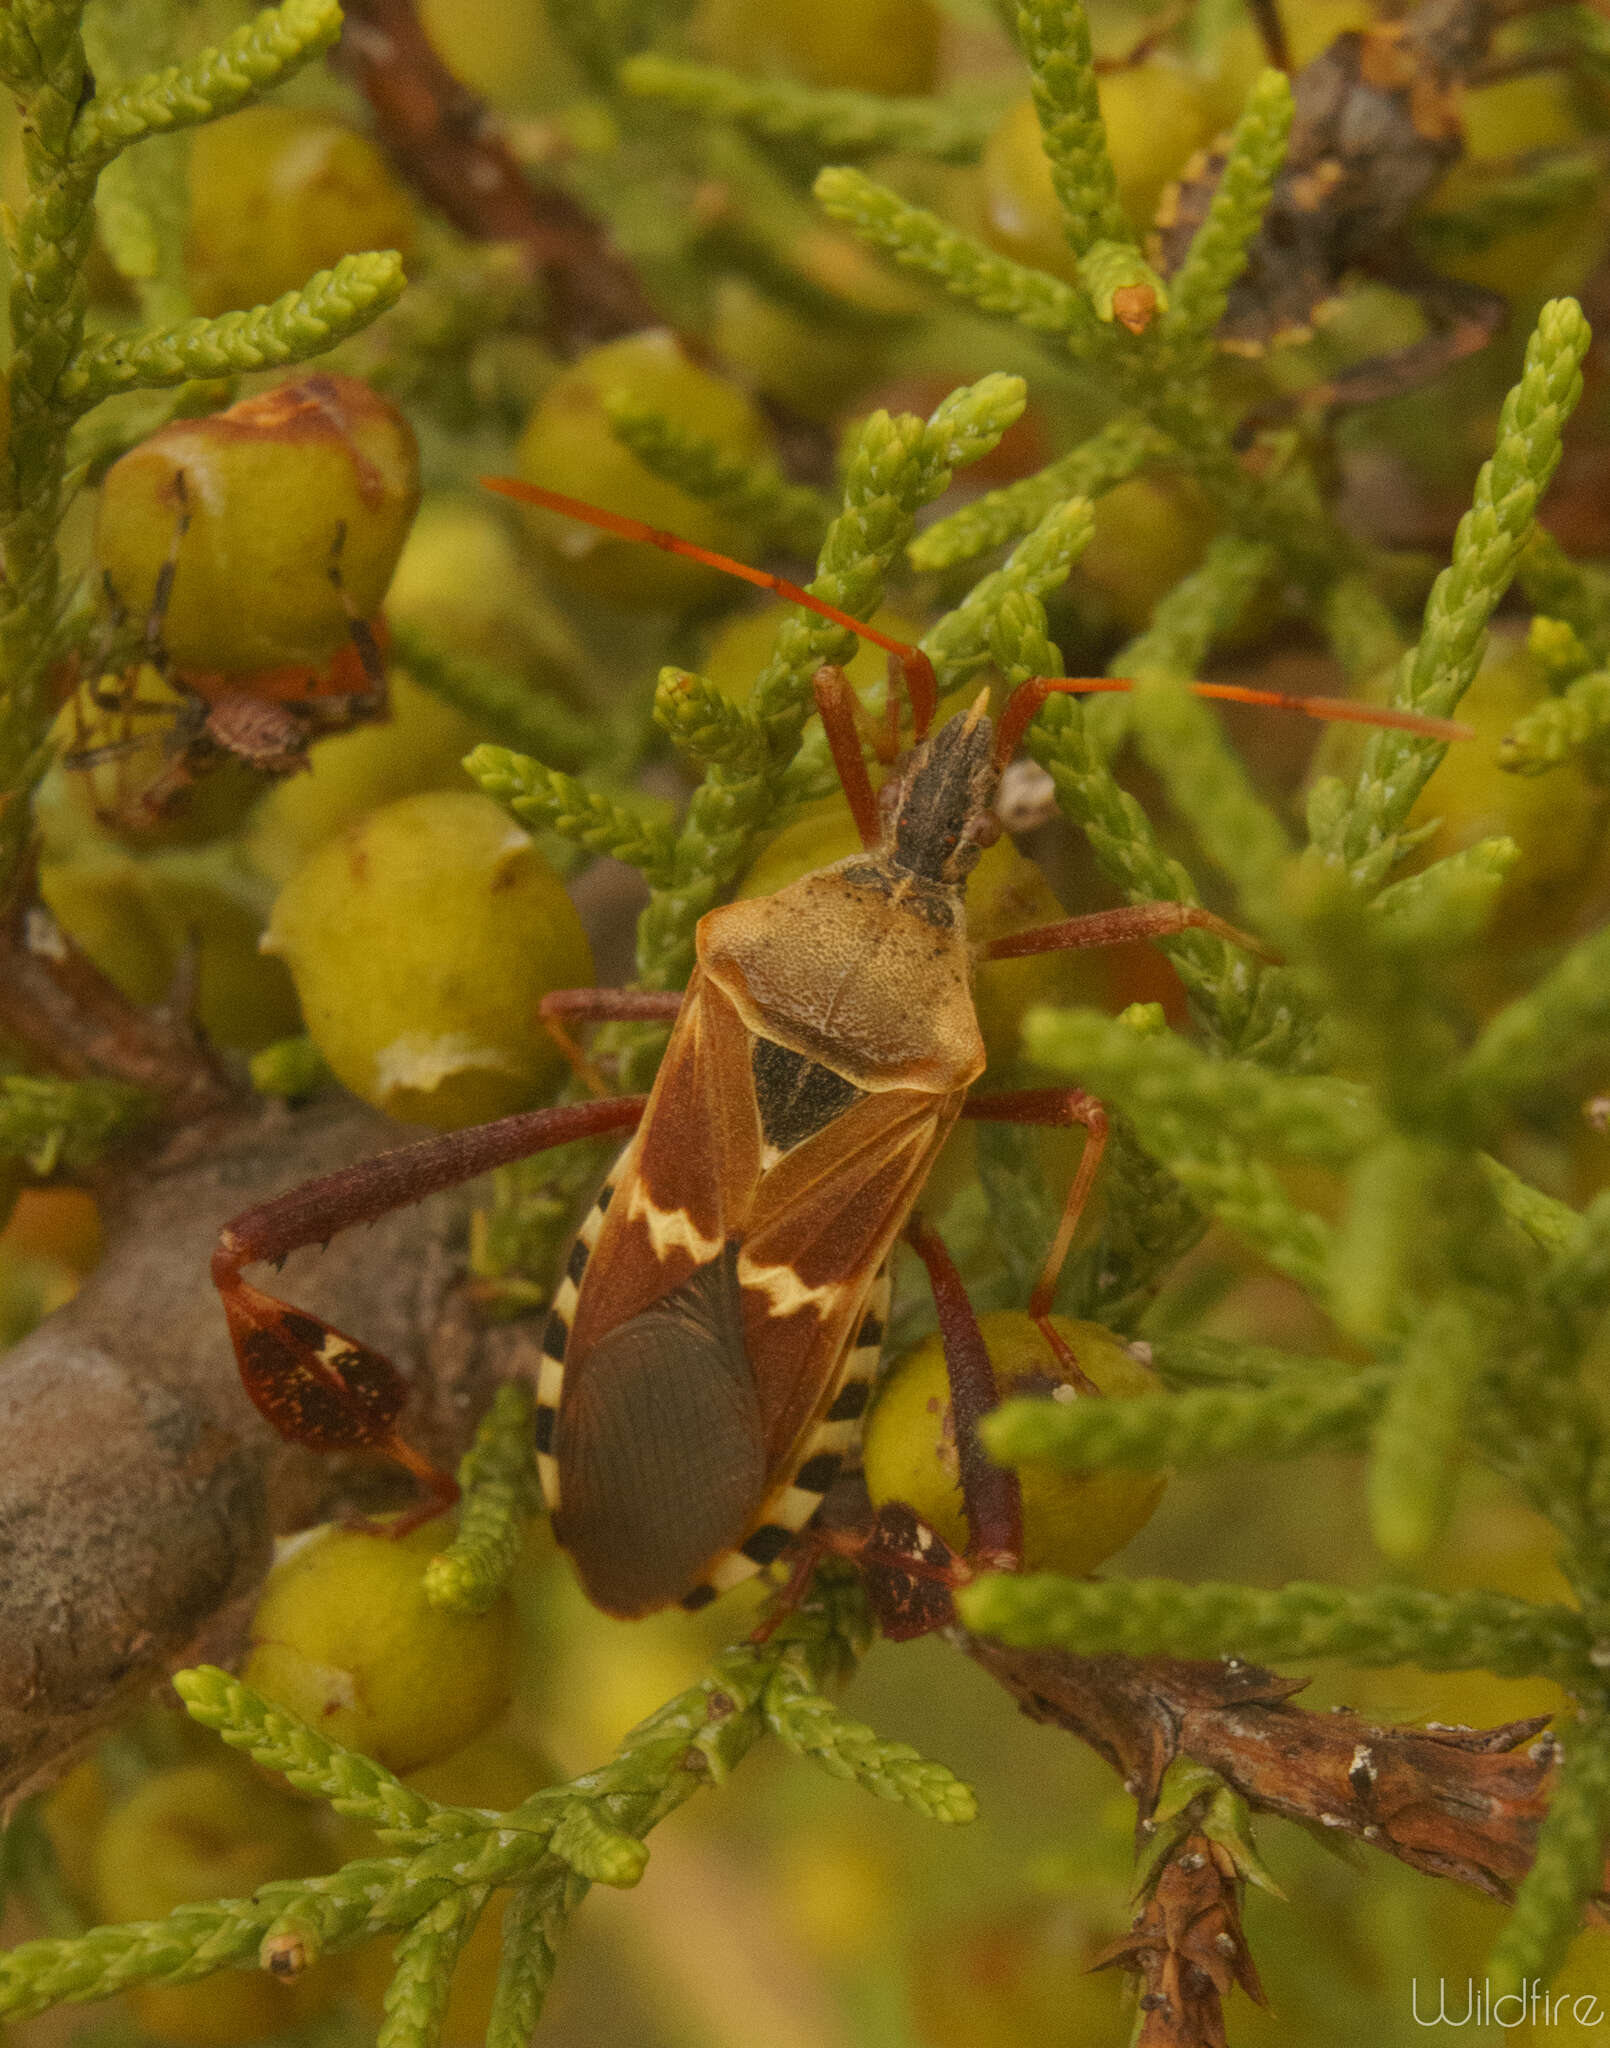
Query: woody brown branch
point(1187, 1948)
point(139, 1489)
point(444, 139)
point(73, 1020)
point(1462, 1803)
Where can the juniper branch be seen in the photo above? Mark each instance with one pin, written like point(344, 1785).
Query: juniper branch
point(500, 1494)
point(1055, 39)
point(751, 493)
point(329, 307)
point(1304, 1410)
point(354, 1784)
point(545, 800)
point(1122, 447)
point(1456, 893)
point(694, 1740)
point(1367, 839)
point(1527, 199)
point(1575, 592)
point(527, 1964)
point(1541, 1034)
point(1560, 726)
point(1299, 1116)
point(834, 122)
point(66, 1126)
point(1418, 1432)
point(1383, 1625)
point(1185, 744)
point(706, 724)
point(967, 269)
point(1039, 565)
point(811, 1725)
point(1202, 1156)
point(42, 61)
point(1200, 289)
point(422, 1969)
point(259, 54)
point(531, 720)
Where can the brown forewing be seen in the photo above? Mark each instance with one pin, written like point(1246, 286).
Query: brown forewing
point(690, 1172)
point(829, 1210)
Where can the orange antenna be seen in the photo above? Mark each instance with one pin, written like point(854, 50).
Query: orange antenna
point(915, 667)
point(1028, 697)
point(917, 670)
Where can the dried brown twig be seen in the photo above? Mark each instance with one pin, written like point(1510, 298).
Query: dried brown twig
point(1462, 1803)
point(444, 139)
point(1187, 1948)
point(76, 1021)
point(139, 1489)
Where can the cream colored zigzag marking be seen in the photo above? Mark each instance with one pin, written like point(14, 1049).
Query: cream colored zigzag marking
point(786, 1293)
point(670, 1229)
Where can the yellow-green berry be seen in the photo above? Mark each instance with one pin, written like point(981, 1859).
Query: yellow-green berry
point(421, 940)
point(344, 1637)
point(279, 490)
point(277, 193)
point(569, 446)
point(1070, 1523)
point(889, 46)
point(203, 1831)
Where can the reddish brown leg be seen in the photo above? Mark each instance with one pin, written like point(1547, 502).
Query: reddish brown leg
point(1054, 1106)
point(990, 1493)
point(1115, 927)
point(317, 1386)
point(909, 1570)
point(371, 700)
point(841, 721)
point(602, 1006)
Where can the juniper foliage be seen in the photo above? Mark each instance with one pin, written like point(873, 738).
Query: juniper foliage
point(1470, 1299)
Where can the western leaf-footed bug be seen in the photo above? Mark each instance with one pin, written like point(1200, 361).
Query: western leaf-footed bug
point(712, 1341)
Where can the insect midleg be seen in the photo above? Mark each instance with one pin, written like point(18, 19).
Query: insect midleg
point(1054, 1106)
point(162, 592)
point(317, 1386)
point(602, 1006)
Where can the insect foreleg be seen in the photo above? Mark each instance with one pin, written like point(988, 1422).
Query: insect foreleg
point(841, 721)
point(317, 1386)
